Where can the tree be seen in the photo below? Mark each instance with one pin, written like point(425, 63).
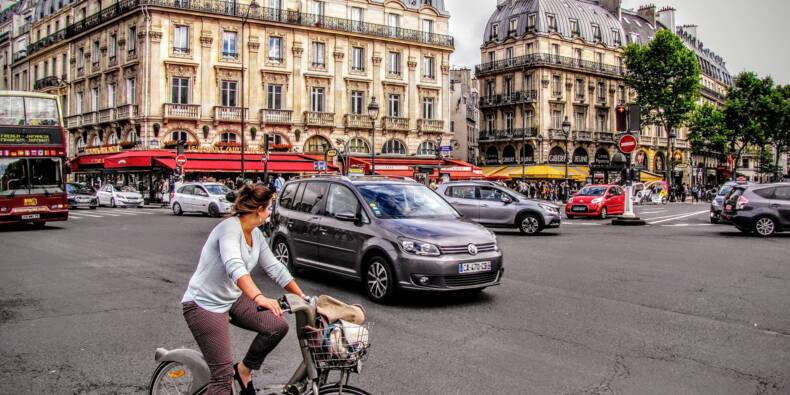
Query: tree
point(666, 77)
point(707, 130)
point(778, 126)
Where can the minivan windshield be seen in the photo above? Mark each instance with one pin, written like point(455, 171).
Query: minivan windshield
point(725, 190)
point(81, 189)
point(388, 201)
point(592, 191)
point(216, 189)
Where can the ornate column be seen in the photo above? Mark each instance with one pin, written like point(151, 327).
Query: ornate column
point(339, 104)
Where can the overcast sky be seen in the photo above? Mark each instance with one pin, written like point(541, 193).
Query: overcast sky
point(749, 35)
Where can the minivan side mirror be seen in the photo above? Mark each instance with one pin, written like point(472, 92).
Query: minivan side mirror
point(506, 199)
point(347, 216)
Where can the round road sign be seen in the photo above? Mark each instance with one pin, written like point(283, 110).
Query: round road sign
point(181, 160)
point(627, 144)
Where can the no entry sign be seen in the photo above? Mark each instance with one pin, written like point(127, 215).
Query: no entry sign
point(181, 160)
point(627, 144)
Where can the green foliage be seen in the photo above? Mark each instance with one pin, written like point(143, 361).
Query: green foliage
point(666, 76)
point(708, 132)
point(746, 110)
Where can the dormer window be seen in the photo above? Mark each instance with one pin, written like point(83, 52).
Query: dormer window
point(617, 40)
point(551, 20)
point(513, 26)
point(634, 38)
point(531, 21)
point(494, 31)
point(575, 28)
point(596, 32)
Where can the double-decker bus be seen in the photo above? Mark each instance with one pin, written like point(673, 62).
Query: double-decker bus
point(32, 156)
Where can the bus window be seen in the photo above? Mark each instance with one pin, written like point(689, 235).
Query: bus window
point(13, 176)
point(41, 112)
point(12, 111)
point(46, 174)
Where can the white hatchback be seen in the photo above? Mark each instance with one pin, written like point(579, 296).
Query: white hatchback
point(110, 195)
point(207, 198)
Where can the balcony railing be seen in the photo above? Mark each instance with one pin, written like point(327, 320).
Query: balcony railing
point(527, 96)
point(46, 82)
point(131, 54)
point(107, 115)
point(557, 134)
point(127, 111)
point(712, 94)
point(545, 59)
point(604, 137)
point(358, 121)
point(182, 111)
point(583, 135)
point(509, 134)
point(89, 118)
point(222, 7)
point(680, 143)
point(395, 123)
point(430, 125)
point(229, 114)
point(73, 121)
point(313, 118)
point(276, 117)
point(19, 55)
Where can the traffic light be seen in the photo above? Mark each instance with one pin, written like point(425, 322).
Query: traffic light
point(621, 118)
point(634, 118)
point(180, 147)
point(268, 139)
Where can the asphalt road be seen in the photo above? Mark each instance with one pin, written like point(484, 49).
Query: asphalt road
point(676, 307)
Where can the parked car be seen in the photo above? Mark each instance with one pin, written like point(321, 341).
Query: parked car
point(761, 208)
point(206, 198)
point(717, 203)
point(81, 195)
point(126, 196)
point(596, 201)
point(389, 234)
point(492, 205)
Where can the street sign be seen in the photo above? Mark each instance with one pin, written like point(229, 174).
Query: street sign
point(446, 148)
point(319, 165)
point(181, 160)
point(627, 144)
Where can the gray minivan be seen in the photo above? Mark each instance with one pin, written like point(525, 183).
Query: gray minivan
point(390, 234)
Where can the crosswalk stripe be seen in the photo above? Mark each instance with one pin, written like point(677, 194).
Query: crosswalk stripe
point(115, 212)
point(90, 215)
point(677, 217)
point(108, 213)
point(72, 216)
point(141, 211)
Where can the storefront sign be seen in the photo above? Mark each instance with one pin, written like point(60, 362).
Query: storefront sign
point(602, 158)
point(557, 158)
point(457, 169)
point(392, 167)
point(583, 158)
point(102, 150)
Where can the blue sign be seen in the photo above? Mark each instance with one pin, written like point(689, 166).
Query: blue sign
point(319, 165)
point(446, 148)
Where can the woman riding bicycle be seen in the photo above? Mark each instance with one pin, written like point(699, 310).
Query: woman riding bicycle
point(222, 288)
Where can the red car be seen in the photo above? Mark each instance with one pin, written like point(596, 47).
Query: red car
point(596, 201)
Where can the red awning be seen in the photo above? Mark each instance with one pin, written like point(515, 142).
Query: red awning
point(135, 159)
point(234, 166)
point(95, 161)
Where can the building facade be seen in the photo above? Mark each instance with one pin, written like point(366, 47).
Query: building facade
point(150, 73)
point(543, 61)
point(464, 115)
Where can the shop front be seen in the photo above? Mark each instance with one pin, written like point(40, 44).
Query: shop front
point(421, 170)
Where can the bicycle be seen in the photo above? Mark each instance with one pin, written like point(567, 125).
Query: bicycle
point(184, 371)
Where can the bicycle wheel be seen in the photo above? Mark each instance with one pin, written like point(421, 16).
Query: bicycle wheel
point(335, 389)
point(170, 378)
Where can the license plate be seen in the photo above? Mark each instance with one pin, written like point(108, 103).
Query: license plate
point(31, 216)
point(474, 267)
point(579, 209)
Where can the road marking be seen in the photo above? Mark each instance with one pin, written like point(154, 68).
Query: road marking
point(677, 217)
point(141, 211)
point(108, 213)
point(667, 216)
point(686, 225)
point(89, 215)
point(72, 216)
point(582, 223)
point(652, 212)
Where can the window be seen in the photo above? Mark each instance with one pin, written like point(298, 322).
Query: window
point(617, 40)
point(394, 63)
point(530, 49)
point(508, 86)
point(555, 52)
point(228, 93)
point(113, 46)
point(599, 59)
point(228, 137)
point(276, 50)
point(556, 119)
point(509, 118)
point(95, 99)
point(358, 146)
point(64, 64)
point(601, 91)
point(429, 68)
point(78, 103)
point(461, 192)
point(556, 86)
point(393, 21)
point(491, 57)
point(581, 121)
point(782, 193)
point(577, 55)
point(313, 195)
point(580, 88)
point(490, 194)
point(509, 55)
point(357, 102)
point(111, 95)
point(357, 17)
point(179, 135)
point(621, 94)
point(341, 200)
point(229, 45)
point(427, 148)
point(551, 21)
point(394, 147)
point(288, 195)
point(316, 144)
point(180, 90)
point(358, 59)
point(80, 58)
point(575, 28)
point(427, 108)
point(427, 26)
point(317, 99)
point(181, 39)
point(490, 88)
point(531, 18)
point(274, 97)
point(491, 122)
point(602, 122)
point(96, 55)
point(494, 31)
point(318, 8)
point(394, 105)
point(131, 39)
point(513, 26)
point(529, 118)
point(528, 82)
point(596, 32)
point(131, 91)
point(319, 49)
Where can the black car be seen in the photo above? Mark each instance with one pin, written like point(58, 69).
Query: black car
point(763, 209)
point(81, 195)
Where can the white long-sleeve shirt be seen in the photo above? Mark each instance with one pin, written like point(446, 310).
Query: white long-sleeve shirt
point(225, 258)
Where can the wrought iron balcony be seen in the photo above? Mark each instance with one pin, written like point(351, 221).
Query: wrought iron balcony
point(73, 121)
point(358, 121)
point(314, 118)
point(229, 114)
point(127, 111)
point(46, 82)
point(395, 123)
point(548, 60)
point(583, 135)
point(527, 96)
point(276, 117)
point(430, 125)
point(557, 134)
point(182, 111)
point(107, 115)
point(604, 137)
point(89, 118)
point(712, 94)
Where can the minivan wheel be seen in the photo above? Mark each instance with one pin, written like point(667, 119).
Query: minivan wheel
point(765, 226)
point(529, 224)
point(213, 210)
point(379, 281)
point(283, 254)
point(177, 209)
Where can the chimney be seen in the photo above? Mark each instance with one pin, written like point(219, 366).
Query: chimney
point(666, 17)
point(691, 30)
point(648, 12)
point(612, 6)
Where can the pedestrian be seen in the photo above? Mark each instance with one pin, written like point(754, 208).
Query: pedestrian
point(278, 183)
point(433, 185)
point(694, 194)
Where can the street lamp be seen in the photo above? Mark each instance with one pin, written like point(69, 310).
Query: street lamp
point(566, 130)
point(373, 113)
point(253, 5)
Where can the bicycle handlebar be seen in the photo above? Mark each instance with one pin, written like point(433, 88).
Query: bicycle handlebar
point(285, 307)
